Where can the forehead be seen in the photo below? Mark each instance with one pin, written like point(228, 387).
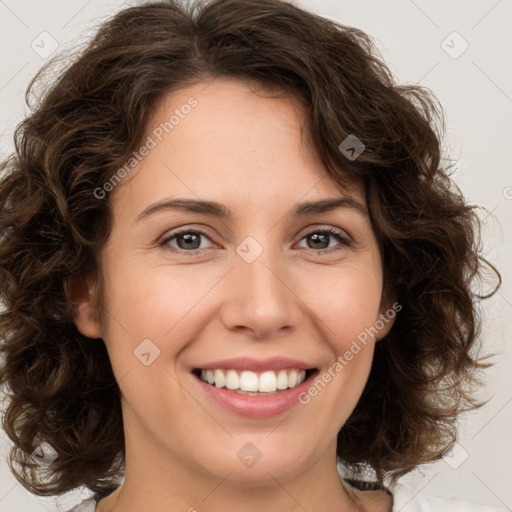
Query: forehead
point(220, 139)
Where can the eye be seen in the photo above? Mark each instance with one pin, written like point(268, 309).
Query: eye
point(320, 237)
point(187, 240)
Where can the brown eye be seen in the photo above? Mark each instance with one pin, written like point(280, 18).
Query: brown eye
point(320, 239)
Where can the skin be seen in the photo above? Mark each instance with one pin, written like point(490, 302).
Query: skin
point(243, 150)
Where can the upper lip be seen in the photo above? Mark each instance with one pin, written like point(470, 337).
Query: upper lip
point(256, 365)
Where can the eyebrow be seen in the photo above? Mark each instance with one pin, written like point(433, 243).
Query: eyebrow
point(221, 211)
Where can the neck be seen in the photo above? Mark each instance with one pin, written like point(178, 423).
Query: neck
point(158, 480)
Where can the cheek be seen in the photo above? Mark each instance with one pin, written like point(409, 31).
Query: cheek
point(152, 316)
point(147, 328)
point(346, 300)
point(152, 302)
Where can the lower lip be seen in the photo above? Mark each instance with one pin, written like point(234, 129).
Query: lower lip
point(255, 406)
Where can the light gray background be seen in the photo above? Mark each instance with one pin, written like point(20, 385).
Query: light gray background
point(476, 91)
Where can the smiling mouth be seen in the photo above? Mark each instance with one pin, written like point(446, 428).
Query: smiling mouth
point(249, 383)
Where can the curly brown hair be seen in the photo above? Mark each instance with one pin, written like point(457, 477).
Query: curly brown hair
point(61, 389)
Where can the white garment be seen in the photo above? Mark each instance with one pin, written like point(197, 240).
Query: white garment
point(405, 499)
point(88, 505)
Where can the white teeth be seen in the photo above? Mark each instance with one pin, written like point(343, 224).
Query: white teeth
point(282, 380)
point(220, 378)
point(252, 382)
point(232, 380)
point(267, 382)
point(249, 381)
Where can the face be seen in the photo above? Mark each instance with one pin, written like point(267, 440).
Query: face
point(269, 288)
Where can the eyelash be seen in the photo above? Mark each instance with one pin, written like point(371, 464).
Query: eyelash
point(196, 252)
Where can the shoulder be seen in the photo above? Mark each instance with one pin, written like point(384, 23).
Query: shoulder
point(407, 499)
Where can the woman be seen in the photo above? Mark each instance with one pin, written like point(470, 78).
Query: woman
point(235, 272)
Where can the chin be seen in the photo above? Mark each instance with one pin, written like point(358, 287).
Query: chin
point(256, 468)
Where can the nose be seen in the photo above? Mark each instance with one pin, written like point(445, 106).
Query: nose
point(260, 297)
